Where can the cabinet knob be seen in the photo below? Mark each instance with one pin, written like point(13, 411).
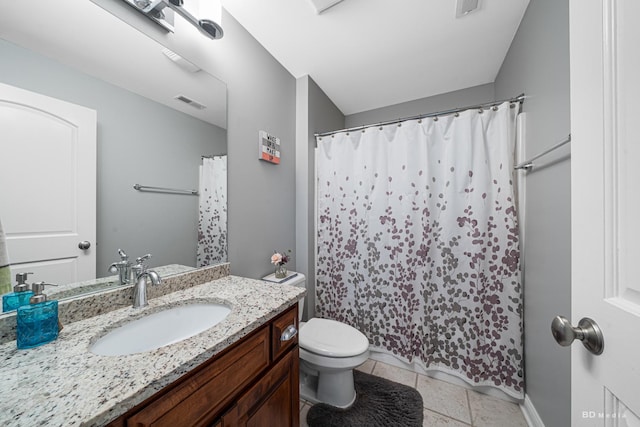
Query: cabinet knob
point(288, 334)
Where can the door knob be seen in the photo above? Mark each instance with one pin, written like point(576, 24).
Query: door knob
point(84, 245)
point(587, 331)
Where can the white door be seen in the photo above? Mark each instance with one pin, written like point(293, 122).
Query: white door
point(605, 208)
point(47, 185)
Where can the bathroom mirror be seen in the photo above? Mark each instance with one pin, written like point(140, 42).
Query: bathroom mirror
point(150, 127)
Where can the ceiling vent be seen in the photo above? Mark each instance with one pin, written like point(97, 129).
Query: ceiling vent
point(191, 102)
point(180, 61)
point(322, 5)
point(465, 7)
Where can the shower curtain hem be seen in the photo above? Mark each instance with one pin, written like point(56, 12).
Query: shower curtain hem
point(419, 367)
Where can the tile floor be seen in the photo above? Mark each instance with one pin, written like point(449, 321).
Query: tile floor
point(444, 404)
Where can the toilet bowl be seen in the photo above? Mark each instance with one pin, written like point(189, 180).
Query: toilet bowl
point(329, 351)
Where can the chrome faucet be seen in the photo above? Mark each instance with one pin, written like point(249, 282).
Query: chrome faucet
point(141, 275)
point(123, 268)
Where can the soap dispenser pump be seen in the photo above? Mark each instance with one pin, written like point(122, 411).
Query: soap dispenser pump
point(37, 321)
point(20, 295)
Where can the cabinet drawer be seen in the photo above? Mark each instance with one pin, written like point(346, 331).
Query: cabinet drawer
point(280, 325)
point(202, 396)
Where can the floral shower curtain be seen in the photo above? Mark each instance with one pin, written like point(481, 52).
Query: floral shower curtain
point(417, 240)
point(212, 223)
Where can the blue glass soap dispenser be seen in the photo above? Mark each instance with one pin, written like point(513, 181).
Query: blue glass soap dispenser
point(37, 321)
point(20, 295)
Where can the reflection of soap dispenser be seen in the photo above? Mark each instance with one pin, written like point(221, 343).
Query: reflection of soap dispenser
point(19, 296)
point(37, 321)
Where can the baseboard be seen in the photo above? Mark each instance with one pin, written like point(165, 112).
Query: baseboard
point(530, 413)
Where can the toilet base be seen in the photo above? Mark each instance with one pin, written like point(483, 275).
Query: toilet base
point(308, 387)
point(333, 388)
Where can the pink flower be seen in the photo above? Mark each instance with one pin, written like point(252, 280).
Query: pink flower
point(276, 259)
point(279, 259)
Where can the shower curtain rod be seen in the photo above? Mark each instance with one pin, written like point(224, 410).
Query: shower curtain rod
point(520, 98)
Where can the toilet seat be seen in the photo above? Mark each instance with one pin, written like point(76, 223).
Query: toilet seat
point(326, 337)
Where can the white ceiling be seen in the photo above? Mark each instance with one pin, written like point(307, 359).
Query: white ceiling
point(367, 54)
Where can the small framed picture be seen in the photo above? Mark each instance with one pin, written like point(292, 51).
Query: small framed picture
point(269, 148)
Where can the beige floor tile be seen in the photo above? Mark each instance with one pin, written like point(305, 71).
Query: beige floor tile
point(445, 398)
point(303, 415)
point(396, 374)
point(431, 419)
point(367, 367)
point(487, 411)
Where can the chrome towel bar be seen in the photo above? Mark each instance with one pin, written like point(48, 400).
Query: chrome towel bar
point(528, 164)
point(165, 190)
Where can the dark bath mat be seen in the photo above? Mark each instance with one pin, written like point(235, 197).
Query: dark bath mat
point(379, 403)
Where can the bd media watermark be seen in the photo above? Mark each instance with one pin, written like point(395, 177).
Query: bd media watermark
point(602, 415)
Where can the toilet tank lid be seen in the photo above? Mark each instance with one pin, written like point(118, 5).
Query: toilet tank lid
point(327, 337)
point(296, 280)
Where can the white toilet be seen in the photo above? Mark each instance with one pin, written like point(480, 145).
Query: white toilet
point(329, 351)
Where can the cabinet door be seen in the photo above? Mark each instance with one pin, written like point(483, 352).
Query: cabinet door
point(202, 395)
point(272, 401)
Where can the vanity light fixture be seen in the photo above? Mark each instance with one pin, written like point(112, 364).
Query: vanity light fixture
point(156, 11)
point(206, 26)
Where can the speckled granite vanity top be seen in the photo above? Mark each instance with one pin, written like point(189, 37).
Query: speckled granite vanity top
point(63, 383)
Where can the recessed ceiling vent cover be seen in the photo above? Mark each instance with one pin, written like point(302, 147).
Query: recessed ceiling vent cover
point(180, 61)
point(464, 7)
point(191, 102)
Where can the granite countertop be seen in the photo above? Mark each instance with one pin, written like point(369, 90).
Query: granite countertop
point(62, 383)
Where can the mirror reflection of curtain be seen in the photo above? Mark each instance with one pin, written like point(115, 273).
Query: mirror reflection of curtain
point(212, 224)
point(5, 270)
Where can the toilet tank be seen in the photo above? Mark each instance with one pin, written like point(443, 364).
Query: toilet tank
point(300, 281)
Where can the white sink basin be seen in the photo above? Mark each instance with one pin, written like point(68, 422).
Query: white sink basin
point(160, 329)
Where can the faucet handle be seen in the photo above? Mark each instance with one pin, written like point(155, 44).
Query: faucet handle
point(143, 258)
point(123, 256)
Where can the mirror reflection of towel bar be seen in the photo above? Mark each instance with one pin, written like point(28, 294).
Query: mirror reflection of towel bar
point(165, 190)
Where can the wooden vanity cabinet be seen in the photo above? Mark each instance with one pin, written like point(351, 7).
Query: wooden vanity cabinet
point(269, 402)
point(254, 382)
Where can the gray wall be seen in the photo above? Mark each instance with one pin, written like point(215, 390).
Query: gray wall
point(315, 113)
point(139, 141)
point(538, 64)
point(261, 96)
point(459, 98)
